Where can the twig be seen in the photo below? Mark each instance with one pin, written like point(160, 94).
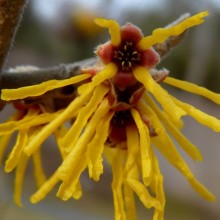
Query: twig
point(50, 101)
point(15, 79)
point(10, 16)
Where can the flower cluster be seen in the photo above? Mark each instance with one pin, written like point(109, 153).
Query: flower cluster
point(113, 115)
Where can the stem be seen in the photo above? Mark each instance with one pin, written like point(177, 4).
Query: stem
point(12, 80)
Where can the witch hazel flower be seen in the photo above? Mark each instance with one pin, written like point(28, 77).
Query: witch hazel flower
point(115, 116)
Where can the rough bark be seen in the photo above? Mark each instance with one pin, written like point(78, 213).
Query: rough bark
point(10, 16)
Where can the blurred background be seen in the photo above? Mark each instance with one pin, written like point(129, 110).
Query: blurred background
point(62, 31)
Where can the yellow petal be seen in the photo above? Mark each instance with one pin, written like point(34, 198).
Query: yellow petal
point(17, 150)
point(144, 147)
point(114, 29)
point(132, 154)
point(187, 146)
point(117, 173)
point(40, 89)
point(129, 202)
point(131, 170)
point(110, 153)
point(143, 76)
point(76, 161)
point(143, 194)
point(172, 155)
point(159, 35)
point(133, 145)
point(12, 125)
point(85, 113)
point(19, 178)
point(77, 193)
point(157, 188)
point(38, 169)
point(191, 87)
point(48, 129)
point(200, 116)
point(108, 72)
point(71, 186)
point(147, 98)
point(59, 134)
point(45, 188)
point(4, 140)
point(133, 181)
point(70, 162)
point(199, 188)
point(96, 147)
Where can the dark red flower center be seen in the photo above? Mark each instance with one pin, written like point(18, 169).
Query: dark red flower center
point(126, 56)
point(118, 124)
point(122, 118)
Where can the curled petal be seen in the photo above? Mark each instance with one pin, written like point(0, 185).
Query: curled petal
point(40, 89)
point(114, 29)
point(161, 34)
point(143, 194)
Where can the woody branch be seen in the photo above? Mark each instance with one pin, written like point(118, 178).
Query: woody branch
point(10, 17)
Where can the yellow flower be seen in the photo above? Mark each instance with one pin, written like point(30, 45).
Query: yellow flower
point(28, 122)
point(115, 115)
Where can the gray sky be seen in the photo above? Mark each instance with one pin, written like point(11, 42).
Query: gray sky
point(48, 8)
